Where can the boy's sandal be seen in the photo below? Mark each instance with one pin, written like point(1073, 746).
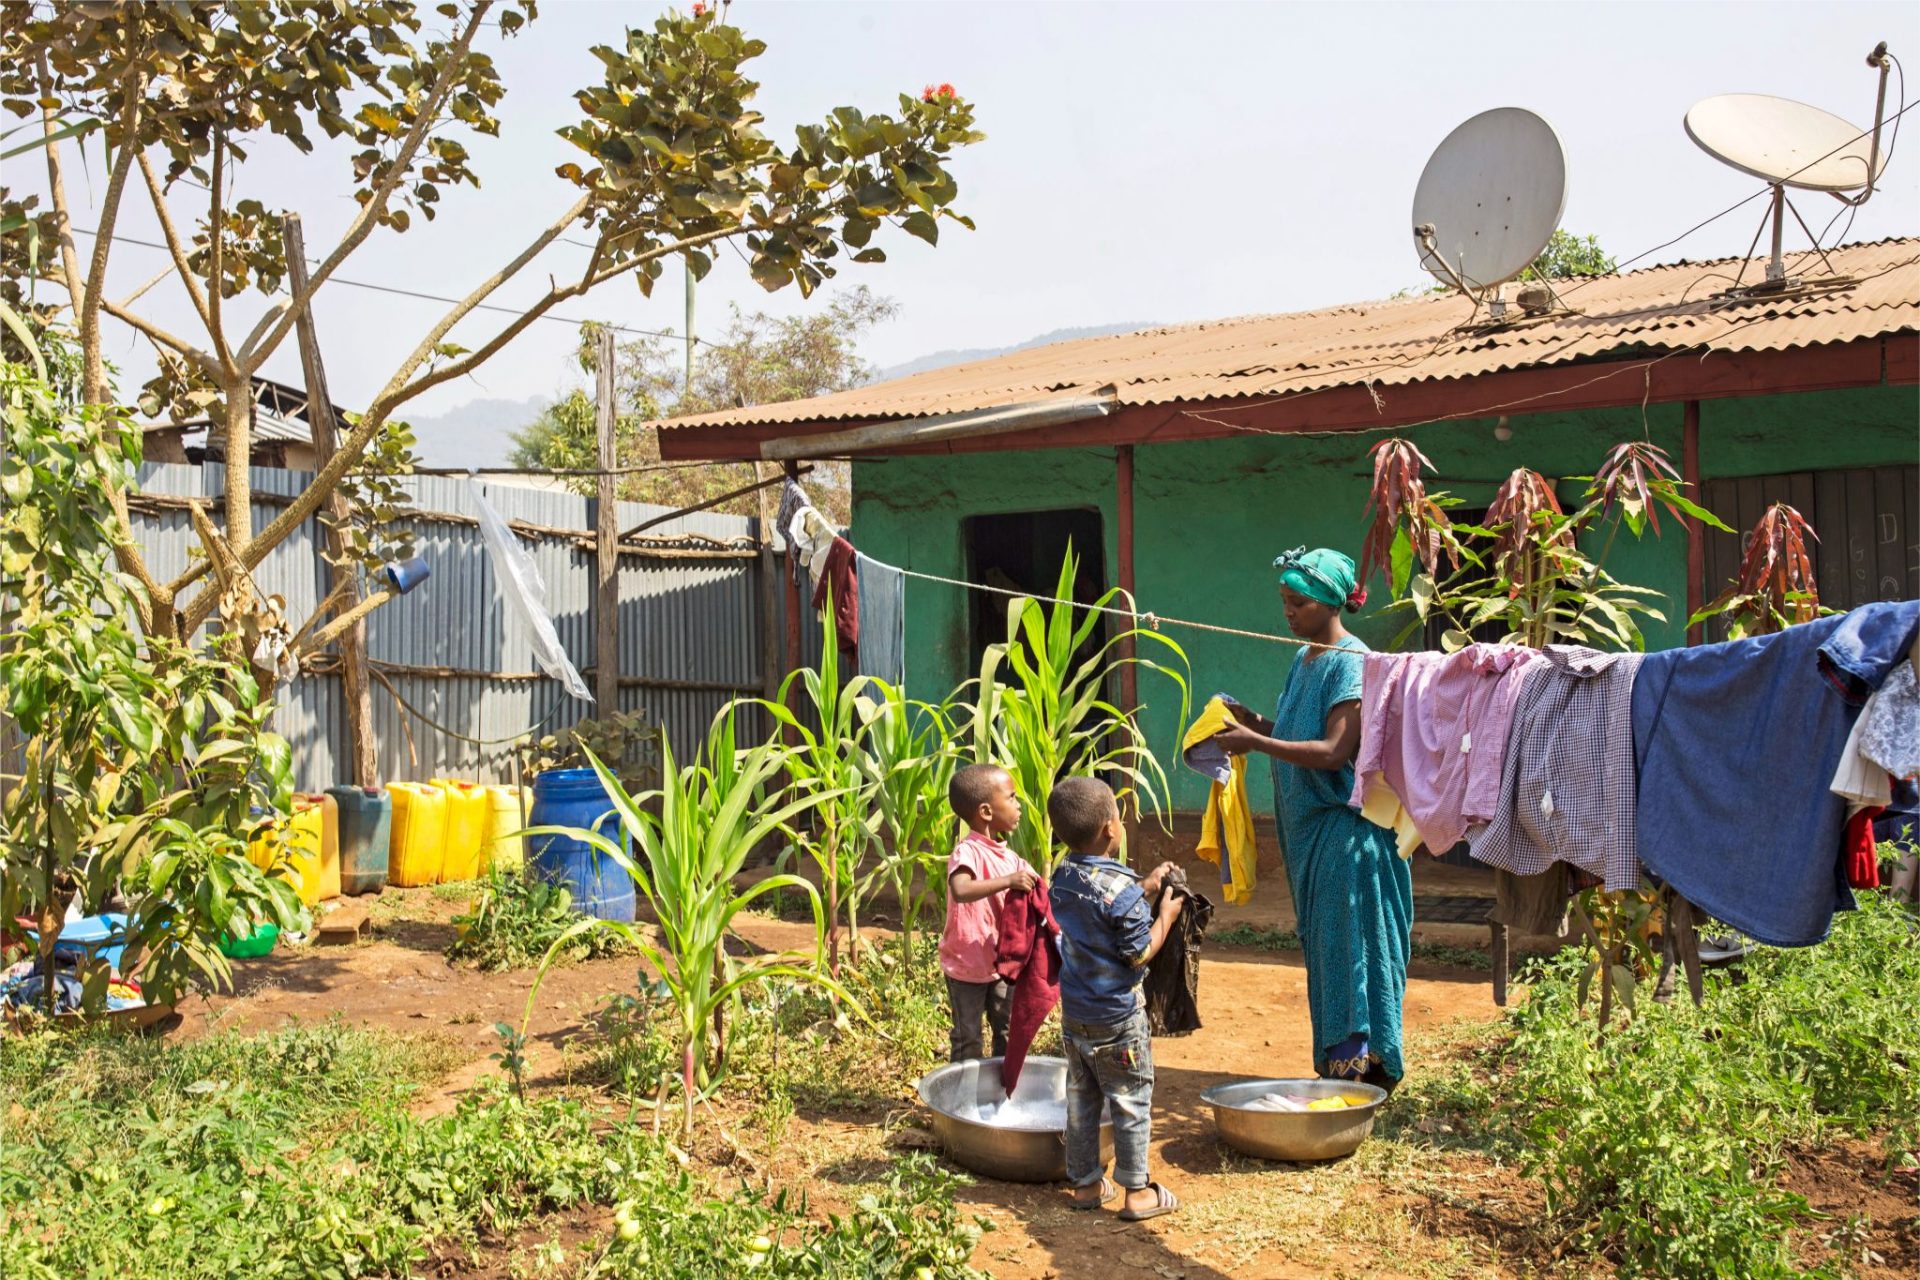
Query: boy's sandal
point(1166, 1202)
point(1107, 1192)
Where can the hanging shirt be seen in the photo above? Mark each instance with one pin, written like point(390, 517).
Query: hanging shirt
point(1106, 926)
point(1567, 789)
point(840, 581)
point(1227, 835)
point(1434, 729)
point(1736, 744)
point(883, 622)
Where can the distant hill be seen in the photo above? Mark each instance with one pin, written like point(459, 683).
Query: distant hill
point(477, 434)
point(941, 359)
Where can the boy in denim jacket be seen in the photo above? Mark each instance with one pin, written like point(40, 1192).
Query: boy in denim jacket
point(1108, 932)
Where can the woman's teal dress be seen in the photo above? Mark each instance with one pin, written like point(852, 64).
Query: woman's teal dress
point(1352, 891)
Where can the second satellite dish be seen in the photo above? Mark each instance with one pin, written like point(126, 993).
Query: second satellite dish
point(1786, 142)
point(1490, 199)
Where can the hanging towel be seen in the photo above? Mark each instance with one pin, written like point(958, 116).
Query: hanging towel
point(1434, 728)
point(1226, 830)
point(883, 622)
point(1736, 744)
point(1858, 852)
point(1567, 786)
point(1028, 956)
point(840, 576)
point(1173, 975)
point(519, 581)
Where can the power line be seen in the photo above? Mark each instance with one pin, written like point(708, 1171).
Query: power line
point(434, 297)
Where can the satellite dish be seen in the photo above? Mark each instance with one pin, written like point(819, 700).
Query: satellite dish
point(1785, 142)
point(1489, 200)
point(1790, 144)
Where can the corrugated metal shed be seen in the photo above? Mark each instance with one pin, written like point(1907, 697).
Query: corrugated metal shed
point(692, 628)
point(1393, 342)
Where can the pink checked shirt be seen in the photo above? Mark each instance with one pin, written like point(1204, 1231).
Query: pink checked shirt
point(1434, 727)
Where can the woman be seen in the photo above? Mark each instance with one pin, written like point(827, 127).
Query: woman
point(1352, 893)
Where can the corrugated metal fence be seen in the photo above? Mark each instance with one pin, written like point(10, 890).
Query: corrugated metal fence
point(697, 623)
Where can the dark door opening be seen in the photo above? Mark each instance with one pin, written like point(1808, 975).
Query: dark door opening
point(1023, 552)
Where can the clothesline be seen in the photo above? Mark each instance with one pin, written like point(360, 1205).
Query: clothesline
point(1153, 620)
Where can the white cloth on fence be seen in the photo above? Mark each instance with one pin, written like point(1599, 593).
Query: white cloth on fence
point(883, 621)
point(520, 583)
point(1889, 725)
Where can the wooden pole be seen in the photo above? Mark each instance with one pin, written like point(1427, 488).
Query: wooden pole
point(1696, 532)
point(606, 600)
point(793, 600)
point(1129, 676)
point(362, 756)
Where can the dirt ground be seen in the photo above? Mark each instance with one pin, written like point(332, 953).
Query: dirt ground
point(1391, 1211)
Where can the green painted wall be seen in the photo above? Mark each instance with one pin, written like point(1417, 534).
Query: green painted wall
point(1210, 516)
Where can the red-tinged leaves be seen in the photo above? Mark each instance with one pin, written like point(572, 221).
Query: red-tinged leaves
point(1778, 569)
point(1639, 478)
point(1524, 500)
point(1399, 493)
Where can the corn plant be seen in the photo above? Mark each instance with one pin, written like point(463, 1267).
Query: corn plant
point(1049, 715)
point(692, 838)
point(909, 756)
point(826, 762)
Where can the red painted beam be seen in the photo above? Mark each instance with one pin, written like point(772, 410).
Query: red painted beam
point(1680, 376)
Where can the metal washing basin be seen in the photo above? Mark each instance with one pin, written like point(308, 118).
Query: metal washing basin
point(1294, 1135)
point(1032, 1146)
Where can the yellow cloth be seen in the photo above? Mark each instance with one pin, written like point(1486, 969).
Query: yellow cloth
point(1227, 827)
point(1383, 809)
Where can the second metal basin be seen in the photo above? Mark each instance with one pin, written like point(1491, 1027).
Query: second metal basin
point(964, 1096)
point(1294, 1135)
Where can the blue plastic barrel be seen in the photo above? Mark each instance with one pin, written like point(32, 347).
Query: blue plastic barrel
point(575, 798)
point(366, 827)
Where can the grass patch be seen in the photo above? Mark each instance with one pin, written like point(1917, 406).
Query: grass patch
point(292, 1154)
point(1273, 939)
point(514, 921)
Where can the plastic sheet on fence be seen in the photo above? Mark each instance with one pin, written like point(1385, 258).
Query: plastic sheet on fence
point(520, 582)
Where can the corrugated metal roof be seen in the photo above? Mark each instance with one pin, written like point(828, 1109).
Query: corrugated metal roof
point(1395, 342)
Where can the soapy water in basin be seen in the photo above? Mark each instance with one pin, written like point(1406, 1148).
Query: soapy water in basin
point(1020, 1113)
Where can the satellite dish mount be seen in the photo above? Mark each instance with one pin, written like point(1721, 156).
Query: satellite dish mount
point(1790, 144)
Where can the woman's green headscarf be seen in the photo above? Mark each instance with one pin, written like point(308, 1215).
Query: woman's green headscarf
point(1321, 574)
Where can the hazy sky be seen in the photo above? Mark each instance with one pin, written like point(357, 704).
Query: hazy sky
point(1155, 162)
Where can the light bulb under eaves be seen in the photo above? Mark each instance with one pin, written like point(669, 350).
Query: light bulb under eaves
point(1501, 430)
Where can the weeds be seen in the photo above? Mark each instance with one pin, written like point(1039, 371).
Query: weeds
point(515, 921)
point(1270, 939)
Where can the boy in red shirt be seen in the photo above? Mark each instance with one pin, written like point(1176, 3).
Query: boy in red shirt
point(979, 872)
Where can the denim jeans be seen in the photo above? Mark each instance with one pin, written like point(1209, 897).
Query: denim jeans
point(1111, 1064)
point(971, 1001)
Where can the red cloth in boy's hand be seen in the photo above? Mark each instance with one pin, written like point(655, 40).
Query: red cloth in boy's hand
point(1029, 957)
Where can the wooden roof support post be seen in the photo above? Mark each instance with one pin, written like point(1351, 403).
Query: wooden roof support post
point(1129, 675)
point(363, 758)
point(793, 606)
point(606, 542)
point(1696, 532)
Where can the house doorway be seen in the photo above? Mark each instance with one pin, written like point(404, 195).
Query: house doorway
point(1023, 551)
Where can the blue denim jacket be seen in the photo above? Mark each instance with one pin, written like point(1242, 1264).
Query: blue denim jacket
point(1106, 925)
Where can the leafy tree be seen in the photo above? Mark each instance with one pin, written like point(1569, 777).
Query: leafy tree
point(674, 163)
point(1568, 257)
point(141, 762)
point(760, 359)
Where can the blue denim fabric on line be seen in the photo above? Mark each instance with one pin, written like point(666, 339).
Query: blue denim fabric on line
point(1110, 1064)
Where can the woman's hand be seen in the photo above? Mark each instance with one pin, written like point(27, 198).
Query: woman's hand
point(1241, 740)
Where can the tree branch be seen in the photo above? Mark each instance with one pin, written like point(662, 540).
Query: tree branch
point(177, 249)
point(57, 185)
point(369, 216)
point(94, 389)
point(165, 339)
point(216, 274)
point(333, 630)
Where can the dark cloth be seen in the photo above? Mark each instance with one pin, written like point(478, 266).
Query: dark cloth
point(1173, 975)
point(1900, 820)
point(792, 498)
point(1535, 904)
point(843, 576)
point(1028, 956)
point(1736, 744)
point(971, 1001)
point(1106, 927)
